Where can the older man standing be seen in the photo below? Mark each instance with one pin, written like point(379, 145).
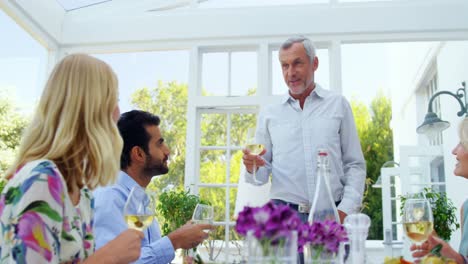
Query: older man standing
point(308, 118)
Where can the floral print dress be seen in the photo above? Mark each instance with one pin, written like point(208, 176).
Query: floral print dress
point(39, 223)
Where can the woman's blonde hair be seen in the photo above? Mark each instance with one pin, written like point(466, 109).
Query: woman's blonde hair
point(463, 132)
point(73, 125)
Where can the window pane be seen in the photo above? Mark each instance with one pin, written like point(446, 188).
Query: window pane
point(215, 73)
point(244, 73)
point(213, 166)
point(229, 73)
point(23, 65)
point(154, 70)
point(156, 81)
point(240, 123)
point(322, 75)
point(384, 66)
point(236, 164)
point(213, 129)
point(217, 198)
point(232, 203)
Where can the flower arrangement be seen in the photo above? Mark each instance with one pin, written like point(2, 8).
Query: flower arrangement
point(268, 223)
point(271, 232)
point(323, 238)
point(271, 224)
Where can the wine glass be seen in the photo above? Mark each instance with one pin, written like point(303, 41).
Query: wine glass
point(255, 149)
point(417, 220)
point(203, 214)
point(139, 209)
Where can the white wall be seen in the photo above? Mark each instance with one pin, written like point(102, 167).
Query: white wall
point(406, 75)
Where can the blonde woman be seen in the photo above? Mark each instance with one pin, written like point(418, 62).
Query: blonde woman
point(461, 169)
point(71, 146)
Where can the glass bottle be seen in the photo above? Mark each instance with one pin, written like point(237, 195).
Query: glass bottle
point(323, 206)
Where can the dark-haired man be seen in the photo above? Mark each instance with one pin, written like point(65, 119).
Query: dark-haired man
point(144, 155)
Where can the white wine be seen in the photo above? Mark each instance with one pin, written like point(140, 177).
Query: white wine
point(139, 222)
point(255, 149)
point(418, 231)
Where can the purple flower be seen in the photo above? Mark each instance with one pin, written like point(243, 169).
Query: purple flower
point(270, 222)
point(328, 235)
point(273, 223)
point(245, 221)
point(55, 187)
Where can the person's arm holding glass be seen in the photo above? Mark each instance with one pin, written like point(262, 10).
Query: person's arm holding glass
point(109, 222)
point(262, 161)
point(420, 251)
point(145, 155)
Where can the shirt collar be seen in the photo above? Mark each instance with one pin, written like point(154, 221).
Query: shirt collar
point(126, 181)
point(318, 91)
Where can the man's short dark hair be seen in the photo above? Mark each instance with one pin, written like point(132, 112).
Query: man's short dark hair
point(132, 127)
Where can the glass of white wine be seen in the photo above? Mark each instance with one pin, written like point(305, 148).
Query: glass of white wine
point(255, 149)
point(139, 209)
point(417, 220)
point(203, 214)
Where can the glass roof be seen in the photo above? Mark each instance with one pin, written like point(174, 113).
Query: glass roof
point(70, 5)
point(166, 5)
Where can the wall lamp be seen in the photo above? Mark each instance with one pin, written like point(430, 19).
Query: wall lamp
point(432, 124)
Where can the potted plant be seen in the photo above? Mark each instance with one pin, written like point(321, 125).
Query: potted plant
point(175, 208)
point(443, 211)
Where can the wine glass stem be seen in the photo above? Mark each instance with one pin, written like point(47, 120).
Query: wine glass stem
point(254, 170)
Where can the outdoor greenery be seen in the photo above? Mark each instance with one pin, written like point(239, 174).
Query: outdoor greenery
point(377, 145)
point(12, 125)
point(443, 211)
point(175, 208)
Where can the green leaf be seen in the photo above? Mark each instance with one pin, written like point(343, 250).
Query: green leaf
point(67, 236)
point(43, 208)
point(13, 195)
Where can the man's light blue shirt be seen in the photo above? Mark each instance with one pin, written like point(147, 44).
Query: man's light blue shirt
point(292, 136)
point(109, 222)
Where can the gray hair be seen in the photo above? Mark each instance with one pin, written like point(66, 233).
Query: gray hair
point(308, 46)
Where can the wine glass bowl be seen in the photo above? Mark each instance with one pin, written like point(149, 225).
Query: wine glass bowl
point(254, 149)
point(139, 209)
point(417, 220)
point(203, 214)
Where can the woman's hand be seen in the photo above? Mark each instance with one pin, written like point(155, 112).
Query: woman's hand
point(125, 248)
point(425, 248)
